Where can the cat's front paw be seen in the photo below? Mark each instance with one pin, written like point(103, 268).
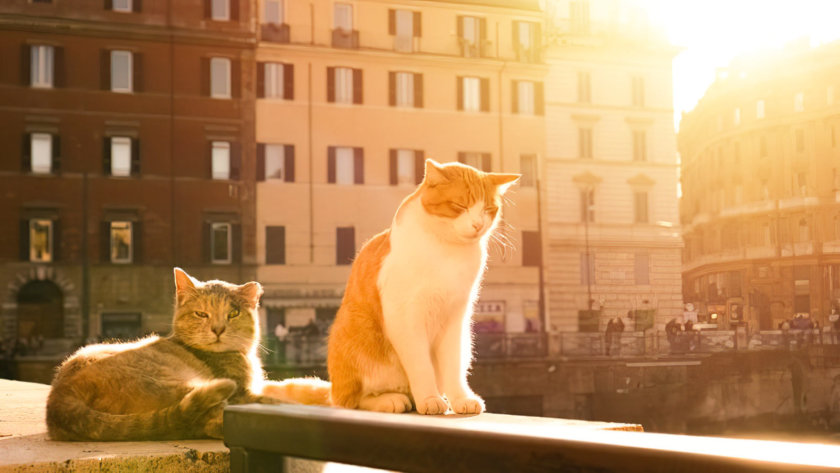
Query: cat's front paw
point(470, 404)
point(432, 405)
point(386, 402)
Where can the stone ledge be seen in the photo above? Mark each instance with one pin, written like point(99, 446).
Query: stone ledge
point(24, 446)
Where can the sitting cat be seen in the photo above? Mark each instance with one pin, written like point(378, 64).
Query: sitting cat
point(402, 333)
point(174, 387)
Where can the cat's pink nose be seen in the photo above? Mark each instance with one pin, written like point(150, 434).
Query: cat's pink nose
point(219, 330)
point(478, 226)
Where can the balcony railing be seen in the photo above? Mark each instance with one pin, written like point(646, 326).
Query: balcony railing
point(275, 33)
point(345, 39)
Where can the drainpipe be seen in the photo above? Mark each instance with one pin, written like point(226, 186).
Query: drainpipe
point(311, 177)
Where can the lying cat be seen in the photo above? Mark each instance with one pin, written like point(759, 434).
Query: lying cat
point(402, 333)
point(174, 387)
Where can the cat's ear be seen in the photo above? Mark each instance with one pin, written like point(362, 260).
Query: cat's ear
point(434, 173)
point(251, 291)
point(503, 181)
point(184, 283)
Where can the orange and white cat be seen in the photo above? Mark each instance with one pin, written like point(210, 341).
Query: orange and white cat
point(402, 335)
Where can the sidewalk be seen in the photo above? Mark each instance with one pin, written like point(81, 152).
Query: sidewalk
point(24, 446)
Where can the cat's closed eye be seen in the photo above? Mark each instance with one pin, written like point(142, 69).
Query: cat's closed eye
point(201, 315)
point(457, 207)
point(491, 210)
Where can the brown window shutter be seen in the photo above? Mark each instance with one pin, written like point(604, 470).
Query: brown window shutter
point(56, 157)
point(56, 237)
point(418, 28)
point(486, 165)
point(514, 96)
point(482, 35)
point(59, 73)
point(260, 161)
point(419, 166)
point(462, 157)
point(105, 69)
point(418, 90)
point(330, 84)
point(289, 163)
point(345, 245)
point(357, 86)
point(56, 154)
point(485, 94)
point(137, 66)
point(137, 241)
point(25, 71)
point(288, 81)
point(137, 6)
point(392, 88)
point(460, 20)
point(105, 242)
point(331, 164)
point(234, 10)
point(275, 245)
point(539, 98)
point(235, 160)
point(392, 158)
point(205, 76)
point(460, 86)
point(358, 166)
point(109, 5)
point(26, 153)
point(260, 80)
point(392, 22)
point(135, 157)
point(515, 31)
point(208, 11)
point(236, 242)
point(235, 78)
point(531, 248)
point(106, 156)
point(24, 240)
point(206, 250)
point(537, 42)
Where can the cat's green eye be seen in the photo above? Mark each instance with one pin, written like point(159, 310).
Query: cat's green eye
point(233, 314)
point(201, 315)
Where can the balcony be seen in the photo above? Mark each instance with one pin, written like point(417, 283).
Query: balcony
point(532, 55)
point(275, 33)
point(472, 49)
point(345, 39)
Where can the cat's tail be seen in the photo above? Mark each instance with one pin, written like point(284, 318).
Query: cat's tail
point(299, 390)
point(70, 418)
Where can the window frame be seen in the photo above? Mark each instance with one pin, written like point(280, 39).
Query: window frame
point(641, 206)
point(529, 174)
point(126, 141)
point(404, 89)
point(127, 9)
point(274, 81)
point(220, 15)
point(350, 16)
point(587, 205)
point(40, 169)
point(281, 12)
point(130, 258)
point(341, 165)
point(530, 108)
point(50, 245)
point(229, 227)
point(343, 88)
point(42, 66)
point(468, 94)
point(114, 55)
point(215, 86)
point(215, 173)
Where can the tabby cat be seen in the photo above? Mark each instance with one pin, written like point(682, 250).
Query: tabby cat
point(174, 387)
point(402, 337)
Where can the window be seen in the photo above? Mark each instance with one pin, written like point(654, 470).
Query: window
point(345, 165)
point(220, 78)
point(642, 268)
point(531, 249)
point(404, 89)
point(343, 17)
point(526, 40)
point(220, 10)
point(279, 161)
point(121, 68)
point(800, 140)
point(639, 146)
point(120, 156)
point(473, 94)
point(121, 5)
point(220, 160)
point(404, 25)
point(579, 16)
point(407, 167)
point(587, 205)
point(736, 117)
point(344, 85)
point(585, 143)
point(276, 81)
point(799, 102)
point(471, 34)
point(41, 153)
point(275, 245)
point(41, 66)
point(41, 240)
point(524, 97)
point(762, 146)
point(480, 161)
point(528, 169)
point(274, 13)
point(804, 230)
point(640, 207)
point(584, 87)
point(587, 268)
point(345, 247)
point(801, 183)
point(759, 109)
point(220, 243)
point(121, 242)
point(638, 91)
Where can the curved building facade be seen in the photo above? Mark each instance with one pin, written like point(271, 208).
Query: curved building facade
point(760, 208)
